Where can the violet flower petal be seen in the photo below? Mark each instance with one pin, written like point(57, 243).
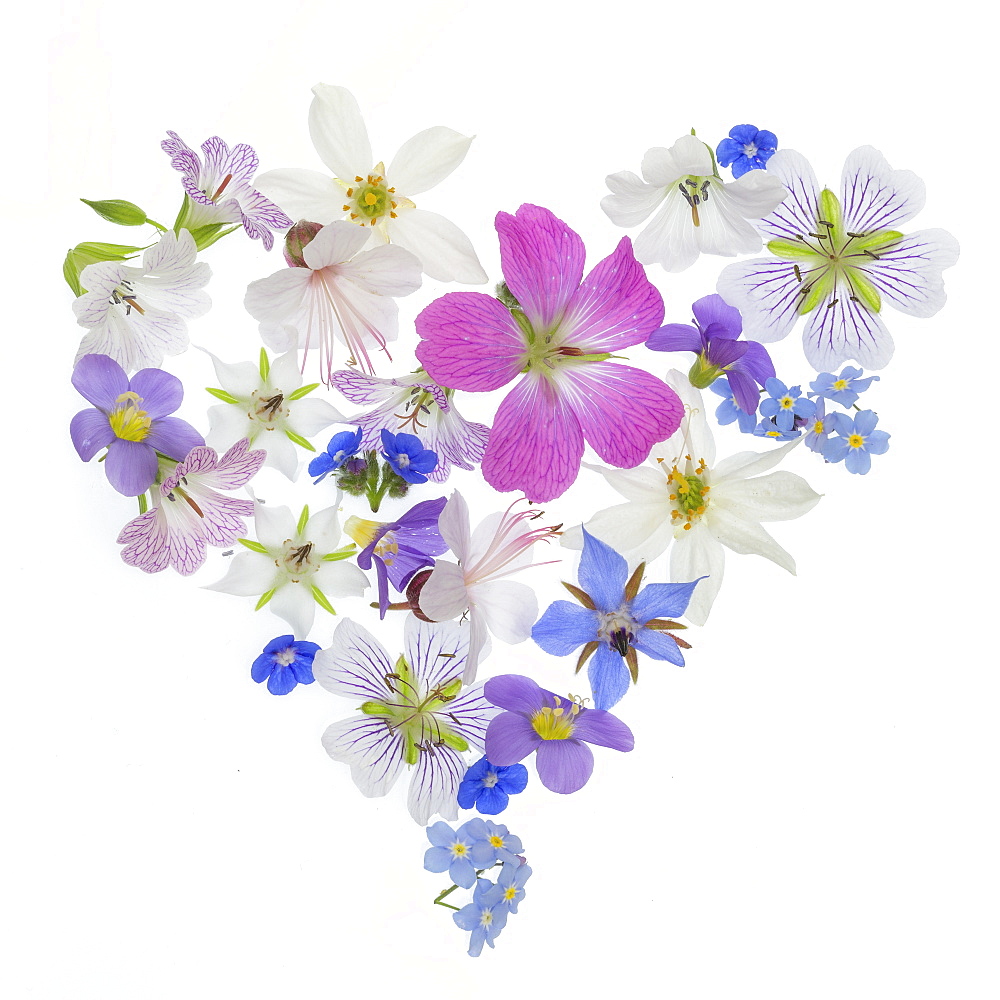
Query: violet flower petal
point(563, 766)
point(745, 390)
point(757, 362)
point(516, 693)
point(90, 431)
point(510, 737)
point(602, 729)
point(714, 309)
point(676, 337)
point(100, 380)
point(161, 392)
point(173, 437)
point(723, 352)
point(130, 466)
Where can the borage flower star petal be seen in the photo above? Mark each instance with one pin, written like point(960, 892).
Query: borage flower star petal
point(560, 337)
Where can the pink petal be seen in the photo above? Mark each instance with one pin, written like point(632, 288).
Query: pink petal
point(623, 411)
point(470, 341)
point(615, 307)
point(536, 443)
point(542, 261)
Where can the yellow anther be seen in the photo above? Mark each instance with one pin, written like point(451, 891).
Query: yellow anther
point(370, 199)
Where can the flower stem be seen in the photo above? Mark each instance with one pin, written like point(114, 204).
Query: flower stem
point(444, 893)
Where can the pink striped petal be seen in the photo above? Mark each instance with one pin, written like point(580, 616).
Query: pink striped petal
point(536, 443)
point(623, 411)
point(470, 341)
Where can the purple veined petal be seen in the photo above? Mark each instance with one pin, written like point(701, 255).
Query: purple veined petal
point(355, 664)
point(745, 390)
point(145, 541)
point(846, 332)
point(516, 693)
point(908, 273)
point(542, 261)
point(373, 751)
point(602, 573)
point(233, 470)
point(536, 443)
point(609, 677)
point(766, 291)
point(338, 132)
point(130, 466)
point(756, 363)
point(240, 161)
point(724, 352)
point(434, 785)
point(564, 627)
point(658, 646)
point(173, 437)
point(510, 738)
point(661, 600)
point(426, 647)
point(470, 713)
point(606, 398)
point(603, 729)
point(714, 309)
point(161, 392)
point(676, 337)
point(469, 341)
point(564, 766)
point(367, 390)
point(100, 380)
point(797, 214)
point(874, 196)
point(615, 307)
point(456, 440)
point(90, 431)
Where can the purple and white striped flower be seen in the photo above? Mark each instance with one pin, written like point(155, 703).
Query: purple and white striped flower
point(414, 714)
point(220, 189)
point(417, 405)
point(838, 261)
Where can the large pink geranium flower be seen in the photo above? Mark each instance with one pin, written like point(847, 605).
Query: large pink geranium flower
point(561, 338)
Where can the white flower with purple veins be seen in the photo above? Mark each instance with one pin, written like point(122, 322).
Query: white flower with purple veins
point(294, 566)
point(839, 260)
point(367, 194)
point(266, 404)
point(220, 189)
point(343, 293)
point(698, 212)
point(136, 315)
point(414, 713)
point(414, 404)
point(191, 514)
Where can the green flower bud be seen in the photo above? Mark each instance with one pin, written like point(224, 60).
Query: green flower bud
point(92, 253)
point(123, 213)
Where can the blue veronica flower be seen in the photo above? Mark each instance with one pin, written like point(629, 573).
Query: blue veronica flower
point(857, 441)
point(614, 622)
point(843, 388)
point(485, 916)
point(785, 404)
point(285, 663)
point(746, 148)
point(408, 457)
point(729, 410)
point(342, 446)
point(488, 786)
point(458, 852)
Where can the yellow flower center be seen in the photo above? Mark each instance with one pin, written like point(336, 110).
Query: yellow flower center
point(496, 841)
point(687, 495)
point(458, 850)
point(841, 383)
point(786, 402)
point(818, 427)
point(127, 421)
point(856, 441)
point(555, 723)
point(509, 893)
point(371, 200)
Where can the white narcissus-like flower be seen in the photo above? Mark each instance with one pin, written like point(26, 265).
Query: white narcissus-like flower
point(698, 212)
point(365, 192)
point(293, 566)
point(266, 405)
point(343, 293)
point(135, 315)
point(682, 495)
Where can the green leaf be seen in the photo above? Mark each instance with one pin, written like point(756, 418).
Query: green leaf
point(299, 440)
point(72, 275)
point(253, 546)
point(303, 520)
point(303, 391)
point(265, 597)
point(222, 394)
point(265, 365)
point(320, 598)
point(123, 213)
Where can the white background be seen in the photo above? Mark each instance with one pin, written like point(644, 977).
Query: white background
point(810, 810)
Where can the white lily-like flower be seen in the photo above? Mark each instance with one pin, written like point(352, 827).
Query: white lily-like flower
point(682, 495)
point(498, 547)
point(342, 293)
point(136, 315)
point(265, 404)
point(698, 212)
point(365, 192)
point(294, 566)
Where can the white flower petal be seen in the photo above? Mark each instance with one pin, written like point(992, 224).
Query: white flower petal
point(749, 463)
point(510, 608)
point(756, 194)
point(444, 251)
point(311, 415)
point(696, 553)
point(434, 785)
point(796, 215)
point(766, 292)
point(908, 273)
point(283, 373)
point(454, 526)
point(444, 595)
point(876, 197)
point(323, 527)
point(387, 270)
point(669, 240)
point(278, 298)
point(779, 496)
point(631, 200)
point(238, 380)
point(333, 244)
point(338, 132)
point(273, 525)
point(354, 665)
point(341, 579)
point(633, 529)
point(250, 574)
point(643, 484)
point(373, 751)
point(427, 159)
point(722, 229)
point(228, 423)
point(303, 194)
point(294, 602)
point(747, 538)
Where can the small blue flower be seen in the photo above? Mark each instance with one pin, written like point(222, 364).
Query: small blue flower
point(857, 442)
point(505, 845)
point(485, 916)
point(458, 852)
point(818, 429)
point(342, 446)
point(285, 663)
point(510, 882)
point(785, 404)
point(843, 388)
point(729, 410)
point(746, 149)
point(488, 787)
point(408, 457)
point(767, 428)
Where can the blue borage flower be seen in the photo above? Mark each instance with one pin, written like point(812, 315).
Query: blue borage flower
point(857, 441)
point(284, 664)
point(343, 446)
point(407, 456)
point(844, 388)
point(746, 148)
point(488, 787)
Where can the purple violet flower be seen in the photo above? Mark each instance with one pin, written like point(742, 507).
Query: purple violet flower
point(399, 548)
point(715, 339)
point(555, 729)
point(130, 419)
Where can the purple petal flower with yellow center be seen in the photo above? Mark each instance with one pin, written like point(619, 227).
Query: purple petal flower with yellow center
point(500, 546)
point(415, 713)
point(560, 339)
point(715, 339)
point(838, 260)
point(220, 189)
point(294, 566)
point(191, 514)
point(376, 200)
point(398, 548)
point(698, 212)
point(417, 405)
point(343, 293)
point(136, 315)
point(616, 621)
point(266, 403)
point(683, 496)
point(130, 419)
point(557, 730)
